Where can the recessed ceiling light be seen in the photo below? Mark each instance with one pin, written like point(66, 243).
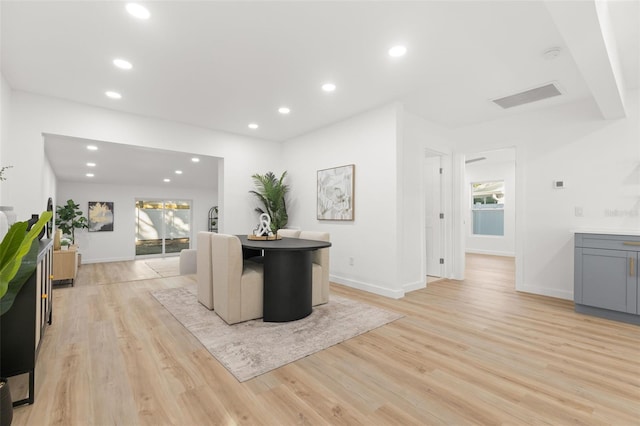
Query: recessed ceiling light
point(113, 95)
point(167, 180)
point(195, 159)
point(284, 110)
point(122, 64)
point(178, 172)
point(138, 10)
point(328, 87)
point(253, 126)
point(397, 51)
point(91, 164)
point(89, 175)
point(92, 147)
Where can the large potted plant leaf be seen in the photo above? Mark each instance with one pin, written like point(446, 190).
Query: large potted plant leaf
point(271, 192)
point(18, 258)
point(69, 217)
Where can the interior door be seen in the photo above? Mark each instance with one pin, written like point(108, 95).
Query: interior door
point(433, 208)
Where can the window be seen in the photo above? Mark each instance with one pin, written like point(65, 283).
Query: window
point(162, 226)
point(488, 208)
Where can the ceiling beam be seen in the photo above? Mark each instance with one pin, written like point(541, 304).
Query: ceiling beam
point(587, 34)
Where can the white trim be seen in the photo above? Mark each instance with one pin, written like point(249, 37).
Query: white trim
point(371, 288)
point(544, 291)
point(109, 259)
point(416, 285)
point(491, 252)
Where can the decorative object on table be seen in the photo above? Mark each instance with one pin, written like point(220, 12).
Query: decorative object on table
point(264, 237)
point(264, 226)
point(263, 231)
point(7, 218)
point(57, 238)
point(271, 192)
point(69, 218)
point(335, 193)
point(65, 243)
point(100, 216)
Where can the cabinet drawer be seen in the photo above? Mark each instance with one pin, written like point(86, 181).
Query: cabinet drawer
point(608, 242)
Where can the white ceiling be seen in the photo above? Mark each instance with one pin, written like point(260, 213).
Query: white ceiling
point(119, 164)
point(222, 65)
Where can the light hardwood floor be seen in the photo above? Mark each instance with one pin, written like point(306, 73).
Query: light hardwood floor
point(472, 352)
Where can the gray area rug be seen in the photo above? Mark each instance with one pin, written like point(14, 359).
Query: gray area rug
point(254, 347)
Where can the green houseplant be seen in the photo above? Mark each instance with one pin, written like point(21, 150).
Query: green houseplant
point(271, 192)
point(69, 218)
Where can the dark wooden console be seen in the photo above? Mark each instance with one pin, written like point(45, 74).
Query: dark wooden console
point(22, 326)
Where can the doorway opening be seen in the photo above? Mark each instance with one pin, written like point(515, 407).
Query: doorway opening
point(434, 216)
point(163, 227)
point(489, 206)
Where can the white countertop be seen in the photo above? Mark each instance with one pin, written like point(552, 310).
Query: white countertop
point(607, 231)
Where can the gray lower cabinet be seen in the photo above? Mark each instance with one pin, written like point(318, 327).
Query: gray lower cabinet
point(606, 276)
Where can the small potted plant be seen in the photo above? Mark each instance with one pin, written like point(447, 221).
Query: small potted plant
point(65, 243)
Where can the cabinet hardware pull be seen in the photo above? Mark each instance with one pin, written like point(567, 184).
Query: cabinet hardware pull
point(632, 267)
point(631, 243)
point(44, 296)
point(51, 276)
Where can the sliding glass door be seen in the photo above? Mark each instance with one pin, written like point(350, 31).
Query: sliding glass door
point(162, 226)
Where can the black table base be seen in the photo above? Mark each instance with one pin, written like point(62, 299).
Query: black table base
point(287, 285)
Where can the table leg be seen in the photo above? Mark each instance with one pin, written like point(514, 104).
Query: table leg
point(287, 285)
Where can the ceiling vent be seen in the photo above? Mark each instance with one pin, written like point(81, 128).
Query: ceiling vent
point(539, 93)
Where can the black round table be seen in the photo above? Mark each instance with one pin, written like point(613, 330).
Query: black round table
point(287, 276)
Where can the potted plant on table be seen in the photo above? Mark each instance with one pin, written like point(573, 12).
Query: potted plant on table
point(69, 217)
point(18, 258)
point(271, 192)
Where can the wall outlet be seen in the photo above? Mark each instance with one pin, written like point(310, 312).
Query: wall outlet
point(351, 261)
point(578, 211)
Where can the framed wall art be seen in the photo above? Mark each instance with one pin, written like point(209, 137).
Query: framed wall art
point(336, 193)
point(100, 216)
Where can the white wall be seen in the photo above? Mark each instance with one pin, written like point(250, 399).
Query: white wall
point(368, 141)
point(33, 115)
point(417, 136)
point(599, 160)
point(120, 244)
point(5, 102)
point(483, 171)
point(385, 239)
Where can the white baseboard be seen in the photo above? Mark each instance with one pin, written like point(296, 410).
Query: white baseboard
point(113, 259)
point(543, 291)
point(415, 286)
point(371, 288)
point(491, 252)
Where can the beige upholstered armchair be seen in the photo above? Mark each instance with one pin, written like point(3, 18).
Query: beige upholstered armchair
point(320, 268)
point(237, 284)
point(204, 269)
point(320, 264)
point(288, 233)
